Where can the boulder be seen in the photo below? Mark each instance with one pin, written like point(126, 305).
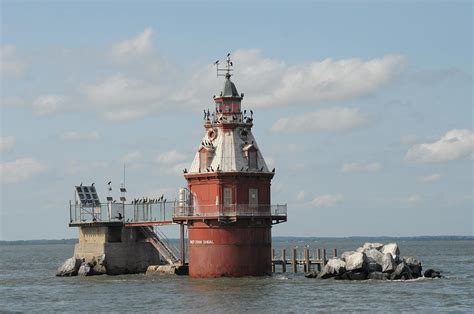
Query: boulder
point(401, 272)
point(346, 254)
point(373, 267)
point(161, 269)
point(378, 276)
point(388, 263)
point(356, 261)
point(334, 267)
point(69, 268)
point(85, 269)
point(369, 246)
point(391, 248)
point(99, 266)
point(374, 256)
point(313, 274)
point(414, 265)
point(357, 275)
point(431, 273)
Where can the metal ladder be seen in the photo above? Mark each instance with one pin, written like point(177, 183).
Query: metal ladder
point(166, 250)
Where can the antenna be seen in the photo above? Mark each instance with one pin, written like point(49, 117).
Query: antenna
point(227, 69)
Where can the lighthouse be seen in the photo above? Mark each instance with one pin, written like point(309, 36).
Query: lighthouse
point(228, 209)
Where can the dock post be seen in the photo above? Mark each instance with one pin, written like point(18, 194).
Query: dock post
point(283, 260)
point(273, 260)
point(318, 258)
point(335, 252)
point(324, 257)
point(293, 262)
point(306, 258)
point(182, 245)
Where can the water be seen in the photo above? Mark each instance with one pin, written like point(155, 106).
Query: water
point(27, 283)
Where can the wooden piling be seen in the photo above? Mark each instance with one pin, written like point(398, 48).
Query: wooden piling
point(324, 257)
point(335, 253)
point(283, 260)
point(273, 260)
point(307, 261)
point(293, 261)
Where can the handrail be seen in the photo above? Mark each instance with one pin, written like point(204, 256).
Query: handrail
point(221, 210)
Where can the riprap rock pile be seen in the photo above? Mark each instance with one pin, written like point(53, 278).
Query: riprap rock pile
point(373, 261)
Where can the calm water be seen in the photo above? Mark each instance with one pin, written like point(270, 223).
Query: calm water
point(27, 283)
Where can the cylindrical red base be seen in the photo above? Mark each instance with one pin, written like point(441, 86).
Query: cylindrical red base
point(233, 250)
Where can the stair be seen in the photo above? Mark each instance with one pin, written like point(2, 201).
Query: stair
point(166, 250)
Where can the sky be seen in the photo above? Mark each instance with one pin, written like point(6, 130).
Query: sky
point(363, 107)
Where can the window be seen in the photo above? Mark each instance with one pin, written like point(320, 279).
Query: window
point(253, 197)
point(203, 160)
point(252, 157)
point(227, 197)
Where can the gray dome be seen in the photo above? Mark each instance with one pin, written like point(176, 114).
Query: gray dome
point(229, 89)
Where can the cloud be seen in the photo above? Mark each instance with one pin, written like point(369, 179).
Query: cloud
point(138, 46)
point(76, 136)
point(409, 139)
point(272, 83)
point(75, 167)
point(171, 157)
point(49, 104)
point(6, 143)
point(121, 98)
point(430, 179)
point(300, 196)
point(10, 63)
point(332, 119)
point(412, 199)
point(454, 145)
point(326, 200)
point(20, 170)
point(359, 167)
point(132, 157)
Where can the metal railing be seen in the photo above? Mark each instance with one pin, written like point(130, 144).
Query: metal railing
point(121, 212)
point(258, 210)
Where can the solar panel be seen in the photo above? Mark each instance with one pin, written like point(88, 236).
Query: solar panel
point(87, 195)
point(122, 198)
point(123, 190)
point(109, 199)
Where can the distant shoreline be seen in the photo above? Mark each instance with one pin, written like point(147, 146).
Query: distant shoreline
point(74, 240)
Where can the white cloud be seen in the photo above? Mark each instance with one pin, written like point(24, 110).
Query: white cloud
point(271, 82)
point(49, 104)
point(6, 143)
point(10, 63)
point(171, 157)
point(121, 98)
point(359, 167)
point(412, 199)
point(430, 178)
point(20, 170)
point(332, 119)
point(132, 157)
point(454, 145)
point(135, 47)
point(77, 136)
point(326, 200)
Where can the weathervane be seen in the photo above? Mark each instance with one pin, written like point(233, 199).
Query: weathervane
point(227, 69)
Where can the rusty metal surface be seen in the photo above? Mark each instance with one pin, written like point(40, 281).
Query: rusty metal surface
point(232, 251)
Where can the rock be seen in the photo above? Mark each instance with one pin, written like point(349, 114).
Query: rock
point(414, 265)
point(356, 261)
point(374, 256)
point(431, 273)
point(313, 274)
point(334, 267)
point(99, 266)
point(373, 267)
point(346, 254)
point(162, 269)
point(369, 246)
point(391, 248)
point(388, 263)
point(85, 269)
point(69, 268)
point(378, 276)
point(401, 272)
point(357, 275)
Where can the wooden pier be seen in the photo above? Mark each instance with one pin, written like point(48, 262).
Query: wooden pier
point(300, 260)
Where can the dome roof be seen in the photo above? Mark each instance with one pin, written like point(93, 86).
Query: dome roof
point(229, 89)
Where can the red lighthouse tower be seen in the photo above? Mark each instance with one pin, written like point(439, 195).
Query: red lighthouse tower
point(229, 213)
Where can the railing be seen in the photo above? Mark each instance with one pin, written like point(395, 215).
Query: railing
point(258, 210)
point(121, 212)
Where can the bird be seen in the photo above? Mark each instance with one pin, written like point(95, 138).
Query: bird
point(202, 143)
point(217, 62)
point(231, 64)
point(218, 167)
point(261, 169)
point(242, 169)
point(115, 201)
point(185, 170)
point(228, 54)
point(109, 182)
point(247, 169)
point(273, 170)
point(92, 184)
point(80, 184)
point(211, 168)
point(164, 201)
point(245, 111)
